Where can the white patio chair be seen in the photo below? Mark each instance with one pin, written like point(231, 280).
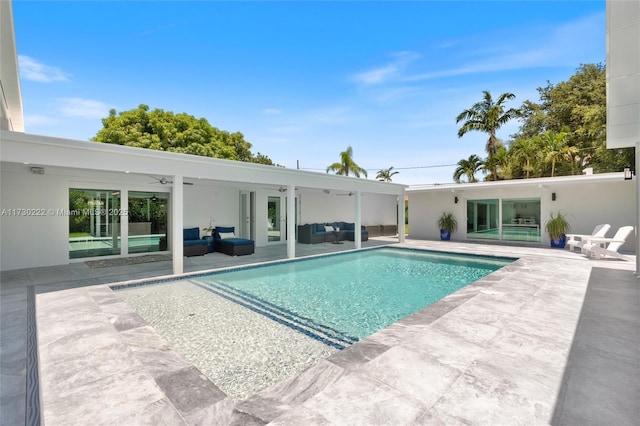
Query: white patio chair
point(595, 247)
point(578, 240)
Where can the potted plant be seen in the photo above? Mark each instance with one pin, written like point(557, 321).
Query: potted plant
point(447, 224)
point(557, 226)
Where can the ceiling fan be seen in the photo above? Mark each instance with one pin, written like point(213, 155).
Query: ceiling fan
point(163, 180)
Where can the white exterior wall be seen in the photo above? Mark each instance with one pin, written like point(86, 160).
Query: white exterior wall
point(377, 209)
point(586, 204)
point(28, 240)
point(31, 241)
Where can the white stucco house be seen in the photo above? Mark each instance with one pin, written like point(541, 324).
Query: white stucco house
point(517, 210)
point(65, 200)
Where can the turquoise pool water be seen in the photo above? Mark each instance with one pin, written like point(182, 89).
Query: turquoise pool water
point(342, 298)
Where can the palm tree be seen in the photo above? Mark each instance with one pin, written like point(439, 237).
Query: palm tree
point(526, 149)
point(346, 165)
point(500, 165)
point(553, 144)
point(468, 168)
point(487, 116)
point(385, 175)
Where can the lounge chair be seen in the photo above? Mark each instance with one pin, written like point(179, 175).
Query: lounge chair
point(227, 243)
point(578, 240)
point(595, 247)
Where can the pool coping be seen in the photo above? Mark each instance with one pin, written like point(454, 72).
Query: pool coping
point(184, 386)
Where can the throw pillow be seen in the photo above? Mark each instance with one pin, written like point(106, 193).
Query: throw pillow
point(227, 235)
point(328, 228)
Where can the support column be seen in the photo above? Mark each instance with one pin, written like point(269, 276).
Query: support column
point(177, 220)
point(401, 217)
point(637, 210)
point(123, 230)
point(357, 233)
point(291, 221)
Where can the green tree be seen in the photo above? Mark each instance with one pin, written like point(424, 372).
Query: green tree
point(487, 116)
point(501, 165)
point(526, 150)
point(468, 168)
point(577, 107)
point(347, 166)
point(165, 131)
point(553, 145)
point(385, 175)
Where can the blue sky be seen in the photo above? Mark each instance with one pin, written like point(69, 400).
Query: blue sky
point(303, 80)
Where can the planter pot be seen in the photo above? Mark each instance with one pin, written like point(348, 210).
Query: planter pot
point(445, 235)
point(559, 243)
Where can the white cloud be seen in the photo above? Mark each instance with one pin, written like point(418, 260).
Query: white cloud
point(565, 45)
point(387, 72)
point(31, 69)
point(84, 108)
point(39, 120)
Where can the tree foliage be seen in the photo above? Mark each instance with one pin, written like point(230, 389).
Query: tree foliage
point(561, 134)
point(346, 165)
point(165, 131)
point(488, 116)
point(386, 175)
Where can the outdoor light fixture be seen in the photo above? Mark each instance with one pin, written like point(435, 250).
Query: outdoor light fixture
point(628, 173)
point(553, 196)
point(455, 199)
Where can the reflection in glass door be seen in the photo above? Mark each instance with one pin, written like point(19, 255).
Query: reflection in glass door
point(147, 221)
point(274, 225)
point(94, 222)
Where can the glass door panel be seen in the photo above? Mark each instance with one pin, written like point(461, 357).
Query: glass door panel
point(274, 225)
point(482, 219)
point(521, 219)
point(94, 222)
point(147, 221)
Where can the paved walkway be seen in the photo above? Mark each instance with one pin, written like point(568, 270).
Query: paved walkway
point(550, 339)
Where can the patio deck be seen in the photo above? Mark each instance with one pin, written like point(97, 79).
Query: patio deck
point(551, 339)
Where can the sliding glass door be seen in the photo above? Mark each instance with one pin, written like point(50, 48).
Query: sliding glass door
point(94, 222)
point(147, 221)
point(515, 219)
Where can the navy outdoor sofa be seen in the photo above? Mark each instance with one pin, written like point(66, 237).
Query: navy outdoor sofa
point(313, 233)
point(227, 243)
point(193, 245)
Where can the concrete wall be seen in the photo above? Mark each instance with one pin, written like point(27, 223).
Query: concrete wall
point(586, 205)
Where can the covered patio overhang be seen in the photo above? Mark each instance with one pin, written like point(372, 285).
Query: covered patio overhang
point(135, 165)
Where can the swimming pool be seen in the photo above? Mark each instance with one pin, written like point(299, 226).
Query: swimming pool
point(250, 328)
point(350, 296)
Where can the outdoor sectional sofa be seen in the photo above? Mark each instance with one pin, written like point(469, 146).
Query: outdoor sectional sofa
point(313, 233)
point(226, 242)
point(193, 245)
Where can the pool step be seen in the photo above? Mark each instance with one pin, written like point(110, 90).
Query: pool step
point(309, 327)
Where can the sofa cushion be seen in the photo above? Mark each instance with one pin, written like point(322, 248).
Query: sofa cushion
point(318, 227)
point(348, 226)
point(219, 229)
point(195, 243)
point(191, 234)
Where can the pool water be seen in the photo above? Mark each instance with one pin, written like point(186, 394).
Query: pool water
point(342, 298)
